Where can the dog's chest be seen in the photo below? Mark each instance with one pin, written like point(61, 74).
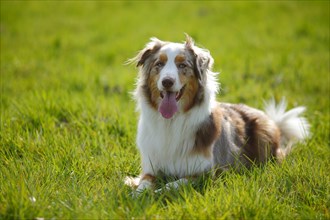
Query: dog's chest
point(168, 147)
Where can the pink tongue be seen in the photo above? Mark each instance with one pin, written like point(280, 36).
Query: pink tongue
point(168, 107)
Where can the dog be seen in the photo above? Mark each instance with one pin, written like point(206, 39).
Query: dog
point(184, 132)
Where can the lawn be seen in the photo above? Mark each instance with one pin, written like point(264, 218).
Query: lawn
point(68, 120)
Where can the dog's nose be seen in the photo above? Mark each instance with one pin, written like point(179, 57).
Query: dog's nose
point(168, 82)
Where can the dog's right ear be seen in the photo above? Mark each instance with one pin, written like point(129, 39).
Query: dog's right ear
point(151, 48)
point(203, 58)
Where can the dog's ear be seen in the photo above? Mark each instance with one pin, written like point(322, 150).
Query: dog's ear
point(203, 58)
point(151, 48)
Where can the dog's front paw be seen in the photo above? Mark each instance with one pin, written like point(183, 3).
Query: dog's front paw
point(132, 182)
point(143, 186)
point(173, 185)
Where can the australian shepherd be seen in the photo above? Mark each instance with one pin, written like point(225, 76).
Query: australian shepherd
point(184, 132)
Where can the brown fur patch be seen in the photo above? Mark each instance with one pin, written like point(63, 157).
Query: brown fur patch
point(268, 137)
point(148, 177)
point(163, 58)
point(146, 59)
point(236, 120)
point(208, 133)
point(154, 92)
point(191, 88)
point(180, 58)
point(194, 92)
point(262, 136)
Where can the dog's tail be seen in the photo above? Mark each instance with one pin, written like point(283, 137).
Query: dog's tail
point(293, 126)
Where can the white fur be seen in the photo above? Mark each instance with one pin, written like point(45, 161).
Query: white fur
point(165, 143)
point(293, 127)
point(144, 184)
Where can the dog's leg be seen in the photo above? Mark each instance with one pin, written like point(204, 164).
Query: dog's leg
point(146, 182)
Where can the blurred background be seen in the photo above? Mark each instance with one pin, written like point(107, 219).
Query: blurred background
point(272, 48)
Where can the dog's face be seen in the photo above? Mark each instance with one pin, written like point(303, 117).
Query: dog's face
point(173, 75)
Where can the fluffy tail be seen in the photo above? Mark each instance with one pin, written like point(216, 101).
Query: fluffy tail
point(293, 126)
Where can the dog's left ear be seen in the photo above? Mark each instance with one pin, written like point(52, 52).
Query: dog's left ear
point(203, 58)
point(151, 48)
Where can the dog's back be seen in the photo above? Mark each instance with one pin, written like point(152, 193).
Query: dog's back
point(250, 136)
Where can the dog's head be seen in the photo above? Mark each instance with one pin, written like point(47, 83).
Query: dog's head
point(173, 76)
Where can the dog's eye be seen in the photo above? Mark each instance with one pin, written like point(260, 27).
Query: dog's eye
point(182, 65)
point(159, 64)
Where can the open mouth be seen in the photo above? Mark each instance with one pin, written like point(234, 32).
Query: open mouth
point(169, 104)
point(178, 95)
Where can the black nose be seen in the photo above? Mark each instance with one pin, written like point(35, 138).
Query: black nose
point(168, 82)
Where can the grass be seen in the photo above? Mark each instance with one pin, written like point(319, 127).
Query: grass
point(68, 121)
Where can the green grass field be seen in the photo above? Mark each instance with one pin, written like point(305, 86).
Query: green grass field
point(68, 122)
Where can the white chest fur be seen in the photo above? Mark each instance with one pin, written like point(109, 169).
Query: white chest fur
point(166, 145)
